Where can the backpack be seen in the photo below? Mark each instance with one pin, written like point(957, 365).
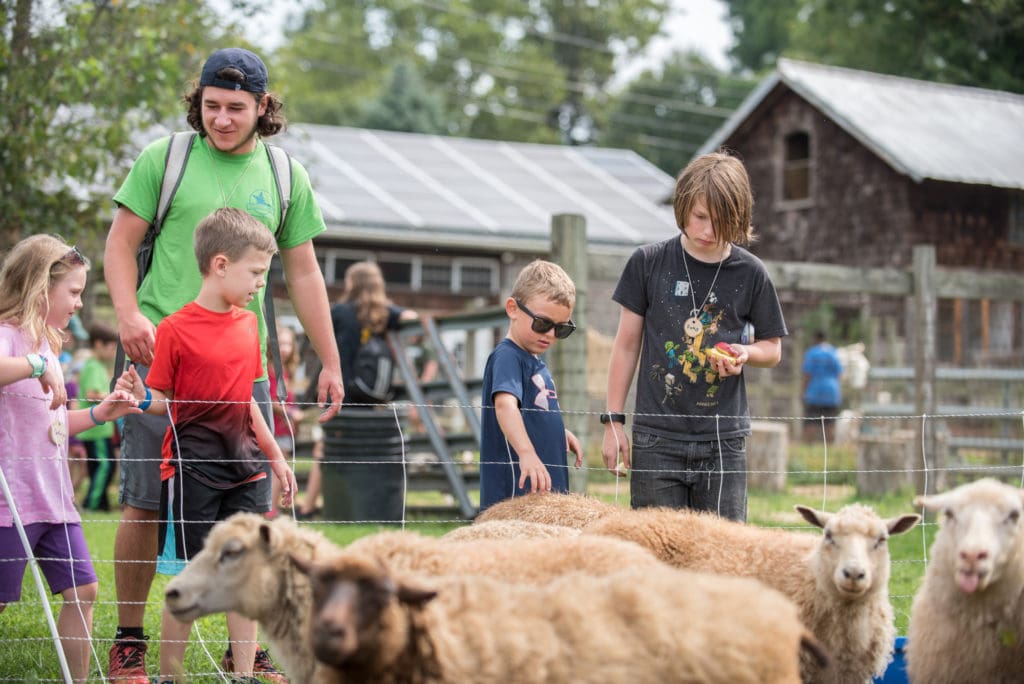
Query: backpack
point(178, 150)
point(372, 371)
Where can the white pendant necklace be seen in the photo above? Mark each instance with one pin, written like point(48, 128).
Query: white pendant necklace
point(692, 326)
point(213, 163)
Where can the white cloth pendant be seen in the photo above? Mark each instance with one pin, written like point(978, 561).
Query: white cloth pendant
point(58, 432)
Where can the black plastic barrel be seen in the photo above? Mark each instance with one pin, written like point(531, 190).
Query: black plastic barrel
point(363, 477)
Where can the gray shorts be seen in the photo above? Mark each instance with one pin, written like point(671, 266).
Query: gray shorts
point(142, 438)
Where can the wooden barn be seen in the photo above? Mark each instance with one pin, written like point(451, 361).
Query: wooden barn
point(856, 168)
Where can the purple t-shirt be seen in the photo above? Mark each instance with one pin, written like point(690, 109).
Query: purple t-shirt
point(35, 466)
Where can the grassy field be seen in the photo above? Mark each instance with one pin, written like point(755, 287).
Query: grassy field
point(27, 652)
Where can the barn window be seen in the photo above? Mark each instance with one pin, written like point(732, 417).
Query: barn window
point(796, 169)
point(1017, 218)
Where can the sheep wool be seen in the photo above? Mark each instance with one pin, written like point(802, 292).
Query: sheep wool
point(567, 510)
point(651, 625)
point(839, 580)
point(967, 619)
point(508, 529)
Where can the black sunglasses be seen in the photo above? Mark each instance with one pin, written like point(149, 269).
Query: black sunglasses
point(542, 325)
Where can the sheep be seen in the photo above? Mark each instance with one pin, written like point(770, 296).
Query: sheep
point(536, 560)
point(567, 510)
point(967, 618)
point(508, 529)
point(245, 567)
point(642, 625)
point(839, 580)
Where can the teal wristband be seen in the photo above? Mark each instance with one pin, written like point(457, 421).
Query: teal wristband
point(38, 363)
point(93, 416)
point(148, 400)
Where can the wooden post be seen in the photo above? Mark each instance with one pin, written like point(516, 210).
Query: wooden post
point(568, 358)
point(925, 404)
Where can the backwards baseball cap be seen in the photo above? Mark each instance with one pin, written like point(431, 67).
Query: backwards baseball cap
point(249, 64)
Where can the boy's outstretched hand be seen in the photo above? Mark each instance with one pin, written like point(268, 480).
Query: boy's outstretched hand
point(286, 478)
point(115, 405)
point(131, 383)
point(572, 443)
point(530, 466)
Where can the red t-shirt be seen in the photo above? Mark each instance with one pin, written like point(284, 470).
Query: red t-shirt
point(212, 359)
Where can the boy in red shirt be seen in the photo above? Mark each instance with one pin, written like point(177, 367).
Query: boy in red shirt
point(206, 357)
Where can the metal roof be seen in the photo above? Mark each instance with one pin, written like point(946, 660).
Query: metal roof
point(414, 188)
point(922, 129)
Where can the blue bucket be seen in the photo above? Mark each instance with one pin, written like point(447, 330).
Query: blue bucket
point(896, 673)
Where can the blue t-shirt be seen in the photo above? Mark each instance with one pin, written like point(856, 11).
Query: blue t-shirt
point(823, 368)
point(515, 371)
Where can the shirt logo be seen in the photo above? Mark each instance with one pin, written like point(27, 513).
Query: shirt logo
point(682, 288)
point(543, 393)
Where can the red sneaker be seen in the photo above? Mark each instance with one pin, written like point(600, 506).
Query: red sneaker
point(263, 668)
point(128, 662)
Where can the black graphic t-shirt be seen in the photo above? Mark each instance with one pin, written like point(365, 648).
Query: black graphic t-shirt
point(679, 395)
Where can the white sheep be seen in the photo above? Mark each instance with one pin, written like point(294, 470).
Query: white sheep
point(508, 529)
point(967, 619)
point(839, 580)
point(245, 567)
point(567, 510)
point(536, 560)
point(651, 625)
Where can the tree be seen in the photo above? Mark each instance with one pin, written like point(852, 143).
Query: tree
point(78, 80)
point(968, 43)
point(505, 68)
point(406, 105)
point(666, 115)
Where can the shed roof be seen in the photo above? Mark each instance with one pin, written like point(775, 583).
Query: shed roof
point(413, 188)
point(924, 130)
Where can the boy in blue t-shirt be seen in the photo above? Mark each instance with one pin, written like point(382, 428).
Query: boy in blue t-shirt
point(522, 433)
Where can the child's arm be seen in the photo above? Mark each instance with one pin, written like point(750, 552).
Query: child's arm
point(760, 354)
point(621, 368)
point(510, 420)
point(116, 404)
point(269, 446)
point(15, 368)
point(151, 401)
point(572, 443)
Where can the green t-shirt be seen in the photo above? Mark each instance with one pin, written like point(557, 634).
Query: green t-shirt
point(212, 180)
point(94, 376)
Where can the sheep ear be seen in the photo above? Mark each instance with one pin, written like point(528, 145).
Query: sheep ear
point(817, 518)
point(303, 565)
point(265, 535)
point(414, 596)
point(902, 523)
point(935, 502)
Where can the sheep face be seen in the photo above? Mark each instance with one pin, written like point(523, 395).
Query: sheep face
point(854, 549)
point(227, 574)
point(354, 604)
point(981, 531)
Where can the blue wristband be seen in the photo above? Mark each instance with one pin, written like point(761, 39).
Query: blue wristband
point(149, 400)
point(93, 416)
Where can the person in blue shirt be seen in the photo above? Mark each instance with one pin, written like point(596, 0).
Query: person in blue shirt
point(823, 394)
point(524, 441)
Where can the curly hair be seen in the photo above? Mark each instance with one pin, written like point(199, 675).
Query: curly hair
point(364, 288)
point(270, 123)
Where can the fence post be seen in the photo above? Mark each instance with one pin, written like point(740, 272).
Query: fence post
point(926, 314)
point(568, 358)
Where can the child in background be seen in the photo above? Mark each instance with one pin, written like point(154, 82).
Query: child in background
point(218, 440)
point(41, 284)
point(523, 437)
point(287, 416)
point(93, 382)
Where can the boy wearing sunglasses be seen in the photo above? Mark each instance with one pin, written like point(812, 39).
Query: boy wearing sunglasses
point(523, 439)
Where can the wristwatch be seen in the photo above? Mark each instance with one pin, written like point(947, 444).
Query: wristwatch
point(613, 418)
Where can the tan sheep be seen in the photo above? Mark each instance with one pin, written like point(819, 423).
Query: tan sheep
point(651, 625)
point(245, 567)
point(967, 619)
point(839, 580)
point(567, 510)
point(508, 529)
point(535, 560)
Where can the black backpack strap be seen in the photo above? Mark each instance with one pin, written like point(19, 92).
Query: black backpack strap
point(178, 149)
point(281, 165)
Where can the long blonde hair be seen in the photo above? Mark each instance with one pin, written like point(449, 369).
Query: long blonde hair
point(364, 289)
point(30, 269)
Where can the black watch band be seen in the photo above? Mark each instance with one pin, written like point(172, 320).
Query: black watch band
point(613, 418)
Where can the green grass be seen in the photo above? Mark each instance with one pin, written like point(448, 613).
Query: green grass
point(27, 652)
